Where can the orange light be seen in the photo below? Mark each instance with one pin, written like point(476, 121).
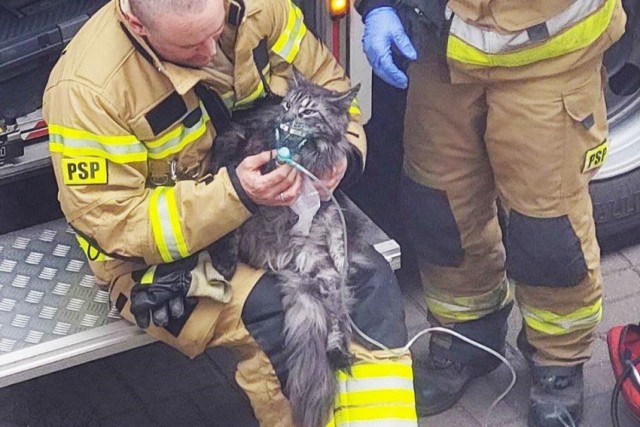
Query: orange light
point(338, 8)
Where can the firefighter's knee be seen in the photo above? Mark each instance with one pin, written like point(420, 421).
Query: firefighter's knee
point(378, 309)
point(430, 224)
point(544, 251)
point(263, 317)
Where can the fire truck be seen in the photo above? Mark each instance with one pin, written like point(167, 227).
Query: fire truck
point(51, 315)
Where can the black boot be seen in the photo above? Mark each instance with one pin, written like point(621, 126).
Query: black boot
point(557, 392)
point(441, 379)
point(556, 396)
point(439, 382)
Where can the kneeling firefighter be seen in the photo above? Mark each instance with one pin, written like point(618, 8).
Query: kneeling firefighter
point(505, 101)
point(133, 108)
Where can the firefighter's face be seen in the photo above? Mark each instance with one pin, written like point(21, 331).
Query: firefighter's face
point(189, 38)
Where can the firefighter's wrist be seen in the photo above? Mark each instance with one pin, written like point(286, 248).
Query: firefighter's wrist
point(242, 195)
point(368, 5)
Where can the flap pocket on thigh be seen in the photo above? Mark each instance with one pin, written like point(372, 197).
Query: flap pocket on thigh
point(581, 103)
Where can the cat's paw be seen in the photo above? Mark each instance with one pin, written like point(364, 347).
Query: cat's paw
point(226, 269)
point(340, 359)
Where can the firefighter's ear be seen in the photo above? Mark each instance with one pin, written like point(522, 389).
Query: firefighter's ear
point(135, 24)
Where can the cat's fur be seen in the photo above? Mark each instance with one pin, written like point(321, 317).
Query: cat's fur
point(309, 268)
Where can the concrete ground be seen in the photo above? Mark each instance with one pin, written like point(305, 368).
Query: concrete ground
point(157, 386)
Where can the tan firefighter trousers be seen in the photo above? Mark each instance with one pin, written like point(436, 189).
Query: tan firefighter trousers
point(534, 144)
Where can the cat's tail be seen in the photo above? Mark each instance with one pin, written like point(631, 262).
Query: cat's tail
point(311, 384)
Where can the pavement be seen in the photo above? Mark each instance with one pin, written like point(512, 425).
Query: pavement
point(157, 386)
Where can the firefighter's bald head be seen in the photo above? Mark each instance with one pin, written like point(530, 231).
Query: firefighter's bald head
point(185, 32)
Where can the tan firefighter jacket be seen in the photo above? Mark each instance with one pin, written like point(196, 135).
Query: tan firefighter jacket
point(514, 39)
point(130, 138)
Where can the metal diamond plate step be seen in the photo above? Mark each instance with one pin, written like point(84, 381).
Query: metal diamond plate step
point(46, 288)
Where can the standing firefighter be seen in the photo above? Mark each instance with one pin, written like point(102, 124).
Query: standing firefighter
point(505, 101)
point(133, 107)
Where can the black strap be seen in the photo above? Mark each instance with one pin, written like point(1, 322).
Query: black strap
point(92, 242)
point(236, 12)
point(218, 112)
point(141, 50)
point(261, 59)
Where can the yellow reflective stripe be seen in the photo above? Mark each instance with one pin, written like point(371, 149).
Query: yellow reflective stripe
point(574, 38)
point(374, 413)
point(375, 423)
point(257, 93)
point(551, 323)
point(91, 252)
point(375, 370)
point(470, 308)
point(229, 99)
point(382, 396)
point(165, 223)
point(147, 277)
point(177, 139)
point(375, 395)
point(288, 44)
point(354, 109)
point(491, 41)
point(74, 142)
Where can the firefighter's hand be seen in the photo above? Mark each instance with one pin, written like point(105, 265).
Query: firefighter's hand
point(382, 30)
point(280, 187)
point(160, 293)
point(331, 180)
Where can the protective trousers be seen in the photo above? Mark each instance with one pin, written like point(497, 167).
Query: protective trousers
point(251, 324)
point(533, 144)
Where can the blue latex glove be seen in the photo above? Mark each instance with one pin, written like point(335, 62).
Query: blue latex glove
point(382, 30)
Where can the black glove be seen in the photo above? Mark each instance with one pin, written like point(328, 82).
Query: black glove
point(160, 293)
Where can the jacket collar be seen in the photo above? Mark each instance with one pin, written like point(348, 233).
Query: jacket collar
point(183, 79)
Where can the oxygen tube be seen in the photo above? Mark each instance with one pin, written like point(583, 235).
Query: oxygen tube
point(284, 156)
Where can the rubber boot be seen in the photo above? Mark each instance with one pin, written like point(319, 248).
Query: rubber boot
point(439, 382)
point(556, 397)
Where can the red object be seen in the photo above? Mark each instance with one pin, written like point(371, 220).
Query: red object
point(624, 345)
point(335, 41)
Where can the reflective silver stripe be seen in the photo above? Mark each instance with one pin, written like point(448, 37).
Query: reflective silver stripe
point(551, 323)
point(178, 138)
point(165, 221)
point(354, 384)
point(119, 153)
point(288, 44)
point(493, 42)
point(463, 309)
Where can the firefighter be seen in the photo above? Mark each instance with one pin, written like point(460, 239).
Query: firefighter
point(133, 107)
point(505, 102)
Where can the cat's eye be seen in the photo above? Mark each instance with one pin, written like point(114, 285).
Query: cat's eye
point(307, 112)
point(285, 105)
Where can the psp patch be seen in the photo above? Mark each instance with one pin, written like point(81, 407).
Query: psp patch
point(596, 156)
point(84, 171)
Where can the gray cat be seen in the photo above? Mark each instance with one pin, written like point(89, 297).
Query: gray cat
point(312, 122)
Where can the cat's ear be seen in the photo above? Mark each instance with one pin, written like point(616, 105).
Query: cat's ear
point(346, 98)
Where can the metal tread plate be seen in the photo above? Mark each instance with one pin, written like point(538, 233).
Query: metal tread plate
point(46, 288)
